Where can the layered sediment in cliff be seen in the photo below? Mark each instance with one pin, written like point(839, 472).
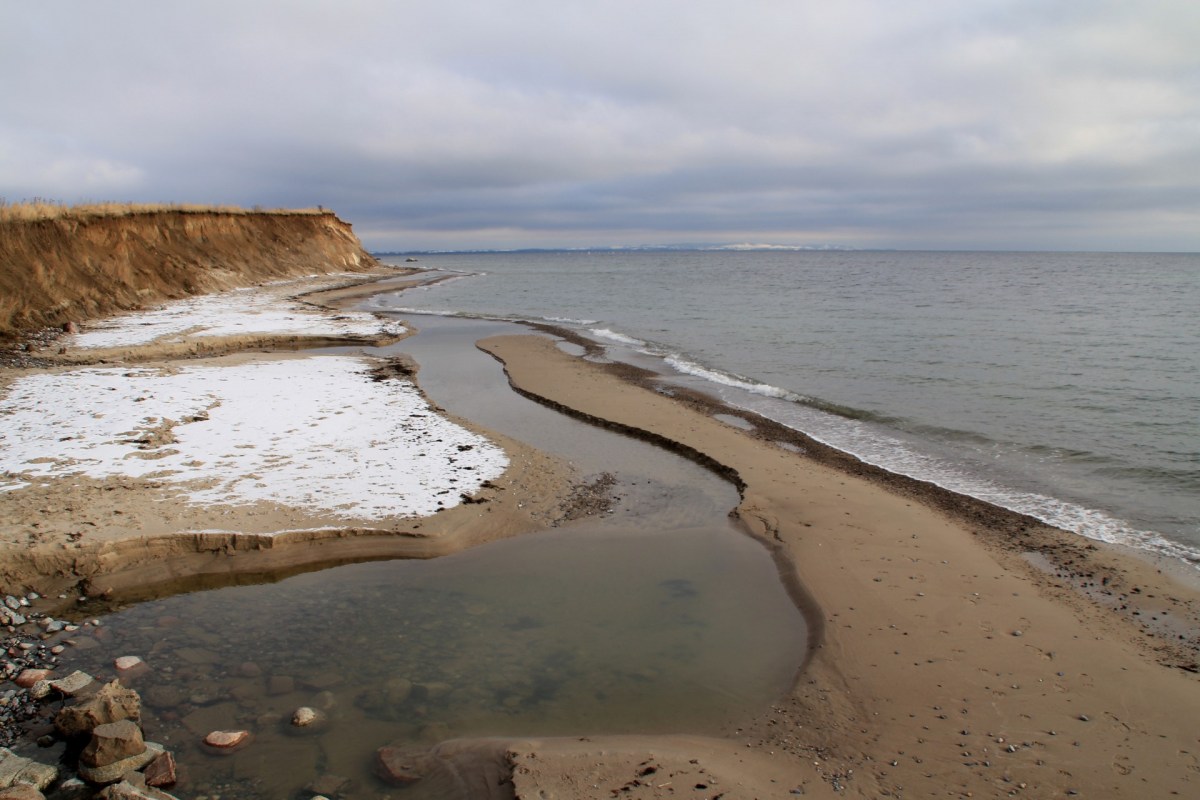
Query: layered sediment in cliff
point(76, 267)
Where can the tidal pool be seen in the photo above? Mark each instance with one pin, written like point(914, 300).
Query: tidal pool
point(584, 630)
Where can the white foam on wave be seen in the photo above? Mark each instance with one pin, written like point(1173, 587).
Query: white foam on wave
point(619, 338)
point(569, 321)
point(873, 445)
point(316, 433)
point(681, 364)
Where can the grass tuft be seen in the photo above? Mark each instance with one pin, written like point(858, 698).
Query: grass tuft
point(40, 208)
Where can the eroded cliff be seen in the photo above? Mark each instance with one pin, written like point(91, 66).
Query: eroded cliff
point(81, 266)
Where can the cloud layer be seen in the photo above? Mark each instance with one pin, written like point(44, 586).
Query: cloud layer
point(936, 123)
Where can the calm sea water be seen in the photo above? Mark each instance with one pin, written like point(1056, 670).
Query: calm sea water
point(1062, 385)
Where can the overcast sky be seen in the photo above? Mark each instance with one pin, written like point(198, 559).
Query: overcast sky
point(1024, 124)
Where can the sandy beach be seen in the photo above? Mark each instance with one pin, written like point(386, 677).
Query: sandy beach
point(955, 650)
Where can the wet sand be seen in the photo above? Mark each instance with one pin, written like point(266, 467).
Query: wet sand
point(946, 659)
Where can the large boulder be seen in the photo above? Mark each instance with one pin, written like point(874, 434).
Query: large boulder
point(112, 742)
point(112, 703)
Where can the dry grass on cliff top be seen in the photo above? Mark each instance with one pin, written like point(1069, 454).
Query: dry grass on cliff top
point(41, 209)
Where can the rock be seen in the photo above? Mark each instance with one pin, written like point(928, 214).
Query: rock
point(21, 791)
point(402, 766)
point(329, 785)
point(397, 690)
point(324, 700)
point(128, 663)
point(127, 791)
point(28, 677)
point(249, 669)
point(226, 740)
point(324, 680)
point(221, 717)
point(281, 684)
point(73, 789)
point(110, 773)
point(165, 696)
point(305, 716)
point(40, 690)
point(16, 769)
point(112, 742)
point(75, 684)
point(437, 690)
point(112, 702)
point(12, 602)
point(161, 771)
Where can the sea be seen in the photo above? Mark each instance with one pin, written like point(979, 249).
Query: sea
point(1065, 386)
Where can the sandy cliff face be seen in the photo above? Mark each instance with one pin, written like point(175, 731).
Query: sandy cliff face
point(74, 268)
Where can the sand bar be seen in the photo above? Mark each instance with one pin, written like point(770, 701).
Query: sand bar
point(948, 665)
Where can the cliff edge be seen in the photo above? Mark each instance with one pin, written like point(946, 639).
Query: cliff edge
point(76, 266)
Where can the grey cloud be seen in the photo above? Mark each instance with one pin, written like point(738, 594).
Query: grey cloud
point(1001, 123)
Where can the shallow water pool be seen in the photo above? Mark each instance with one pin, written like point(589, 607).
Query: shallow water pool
point(585, 630)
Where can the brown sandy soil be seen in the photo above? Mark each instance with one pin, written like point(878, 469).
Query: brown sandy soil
point(947, 664)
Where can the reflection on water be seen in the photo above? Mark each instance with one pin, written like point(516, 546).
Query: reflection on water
point(585, 630)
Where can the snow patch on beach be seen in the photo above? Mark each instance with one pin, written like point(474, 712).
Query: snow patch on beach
point(317, 433)
point(241, 312)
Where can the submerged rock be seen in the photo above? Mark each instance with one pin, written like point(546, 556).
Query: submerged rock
point(306, 716)
point(161, 771)
point(128, 663)
point(402, 766)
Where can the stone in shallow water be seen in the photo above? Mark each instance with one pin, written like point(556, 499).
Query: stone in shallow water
point(128, 663)
point(305, 716)
point(226, 740)
point(329, 785)
point(402, 766)
point(281, 684)
point(164, 696)
point(161, 771)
